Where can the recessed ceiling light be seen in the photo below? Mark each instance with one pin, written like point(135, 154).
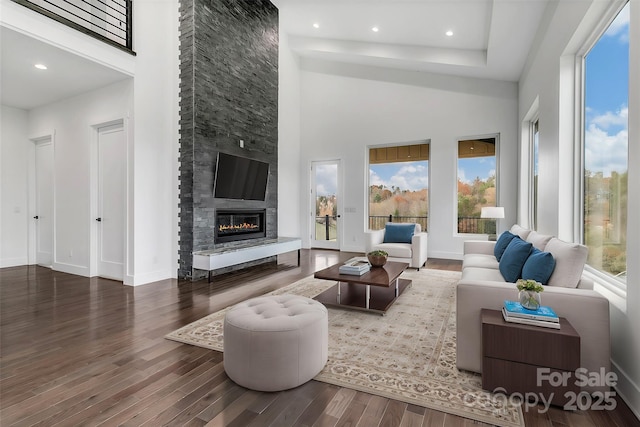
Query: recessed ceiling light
point(40, 66)
point(375, 29)
point(316, 25)
point(449, 33)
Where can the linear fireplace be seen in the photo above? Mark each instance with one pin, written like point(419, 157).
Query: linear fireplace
point(232, 225)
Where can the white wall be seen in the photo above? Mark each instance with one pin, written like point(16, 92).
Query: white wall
point(346, 108)
point(152, 122)
point(71, 121)
point(155, 188)
point(549, 77)
point(288, 140)
point(13, 187)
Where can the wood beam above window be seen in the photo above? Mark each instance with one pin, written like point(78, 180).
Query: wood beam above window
point(399, 153)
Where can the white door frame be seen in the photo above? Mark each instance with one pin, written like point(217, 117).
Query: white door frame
point(32, 203)
point(93, 182)
point(312, 207)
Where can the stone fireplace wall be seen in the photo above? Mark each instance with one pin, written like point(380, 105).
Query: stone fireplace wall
point(228, 94)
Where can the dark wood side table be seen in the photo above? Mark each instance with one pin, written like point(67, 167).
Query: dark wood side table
point(512, 354)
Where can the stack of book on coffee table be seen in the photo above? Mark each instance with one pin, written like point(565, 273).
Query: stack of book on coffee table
point(544, 316)
point(355, 267)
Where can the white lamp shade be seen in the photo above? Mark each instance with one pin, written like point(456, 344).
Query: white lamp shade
point(492, 212)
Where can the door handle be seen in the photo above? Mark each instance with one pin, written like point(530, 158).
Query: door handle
point(35, 217)
point(99, 219)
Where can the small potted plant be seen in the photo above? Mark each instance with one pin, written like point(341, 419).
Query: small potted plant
point(529, 295)
point(377, 258)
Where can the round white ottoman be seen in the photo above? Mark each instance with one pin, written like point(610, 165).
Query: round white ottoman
point(276, 342)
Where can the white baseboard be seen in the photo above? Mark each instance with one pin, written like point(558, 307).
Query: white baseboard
point(627, 389)
point(354, 248)
point(153, 276)
point(79, 270)
point(13, 262)
point(445, 255)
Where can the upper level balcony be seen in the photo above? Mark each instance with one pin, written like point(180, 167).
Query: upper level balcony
point(107, 20)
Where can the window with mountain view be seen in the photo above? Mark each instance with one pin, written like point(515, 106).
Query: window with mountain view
point(399, 185)
point(606, 97)
point(476, 184)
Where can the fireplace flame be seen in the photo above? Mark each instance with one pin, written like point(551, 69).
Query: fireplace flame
point(237, 227)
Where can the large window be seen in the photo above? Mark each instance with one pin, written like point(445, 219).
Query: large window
point(399, 185)
point(606, 96)
point(476, 184)
point(535, 137)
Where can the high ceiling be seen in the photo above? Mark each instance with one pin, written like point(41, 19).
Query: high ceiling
point(491, 39)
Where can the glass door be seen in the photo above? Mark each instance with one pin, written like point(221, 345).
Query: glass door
point(325, 204)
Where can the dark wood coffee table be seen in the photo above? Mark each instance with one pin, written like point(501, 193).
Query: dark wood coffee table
point(374, 291)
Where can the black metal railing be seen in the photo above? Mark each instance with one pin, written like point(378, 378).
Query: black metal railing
point(326, 227)
point(476, 225)
point(377, 222)
point(106, 20)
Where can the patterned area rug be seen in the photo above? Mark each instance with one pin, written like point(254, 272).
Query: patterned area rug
point(408, 355)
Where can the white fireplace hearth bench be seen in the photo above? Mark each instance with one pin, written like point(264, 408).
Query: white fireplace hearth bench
point(228, 256)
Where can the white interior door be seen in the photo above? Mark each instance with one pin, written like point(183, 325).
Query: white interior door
point(110, 221)
point(325, 204)
point(44, 202)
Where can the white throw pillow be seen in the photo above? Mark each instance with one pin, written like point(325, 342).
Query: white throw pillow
point(538, 240)
point(520, 231)
point(570, 259)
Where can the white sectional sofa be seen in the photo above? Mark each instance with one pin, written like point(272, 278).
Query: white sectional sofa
point(413, 250)
point(570, 295)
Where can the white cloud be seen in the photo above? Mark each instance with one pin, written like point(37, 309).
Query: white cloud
point(606, 150)
point(375, 179)
point(620, 26)
point(462, 177)
point(609, 119)
point(326, 180)
point(408, 177)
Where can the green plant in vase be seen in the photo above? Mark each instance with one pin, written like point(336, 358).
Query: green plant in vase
point(377, 258)
point(529, 295)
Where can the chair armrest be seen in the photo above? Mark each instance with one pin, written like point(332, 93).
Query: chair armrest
point(478, 247)
point(419, 249)
point(373, 238)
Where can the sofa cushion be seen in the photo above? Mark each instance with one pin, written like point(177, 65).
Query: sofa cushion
point(395, 250)
point(520, 231)
point(480, 260)
point(398, 233)
point(513, 259)
point(538, 266)
point(538, 240)
point(502, 243)
point(482, 274)
point(570, 259)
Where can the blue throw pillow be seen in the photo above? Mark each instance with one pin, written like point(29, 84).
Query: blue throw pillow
point(398, 233)
point(539, 266)
point(513, 259)
point(502, 243)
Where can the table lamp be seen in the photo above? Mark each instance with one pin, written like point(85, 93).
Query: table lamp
point(494, 212)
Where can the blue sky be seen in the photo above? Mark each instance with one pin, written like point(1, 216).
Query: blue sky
point(606, 99)
point(406, 175)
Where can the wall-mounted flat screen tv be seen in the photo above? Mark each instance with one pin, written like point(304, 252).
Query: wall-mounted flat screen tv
point(240, 178)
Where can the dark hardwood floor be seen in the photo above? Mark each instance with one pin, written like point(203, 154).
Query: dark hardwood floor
point(77, 351)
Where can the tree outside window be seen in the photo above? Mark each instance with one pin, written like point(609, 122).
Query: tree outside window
point(606, 148)
point(476, 184)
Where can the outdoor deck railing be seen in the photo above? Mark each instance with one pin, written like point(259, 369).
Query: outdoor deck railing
point(377, 222)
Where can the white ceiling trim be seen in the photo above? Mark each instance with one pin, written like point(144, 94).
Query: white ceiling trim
point(320, 47)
